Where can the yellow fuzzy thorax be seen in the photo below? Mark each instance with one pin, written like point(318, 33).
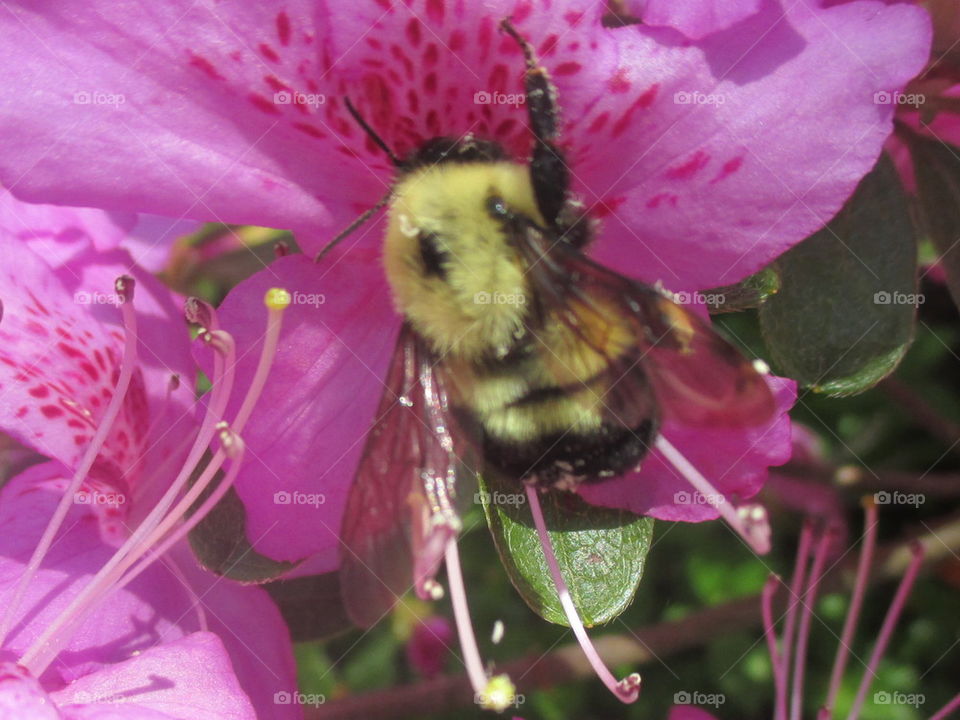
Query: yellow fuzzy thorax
point(482, 301)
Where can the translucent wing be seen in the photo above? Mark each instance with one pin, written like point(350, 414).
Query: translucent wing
point(698, 377)
point(401, 509)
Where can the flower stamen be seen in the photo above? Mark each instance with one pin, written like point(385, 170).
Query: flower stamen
point(886, 630)
point(806, 615)
point(461, 614)
point(750, 524)
point(626, 690)
point(153, 537)
point(856, 601)
point(124, 286)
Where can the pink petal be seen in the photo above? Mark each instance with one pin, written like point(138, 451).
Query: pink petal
point(201, 134)
point(58, 232)
point(190, 129)
point(154, 608)
point(151, 239)
point(21, 697)
point(307, 431)
point(56, 368)
point(189, 679)
point(696, 18)
point(164, 347)
point(734, 460)
point(747, 141)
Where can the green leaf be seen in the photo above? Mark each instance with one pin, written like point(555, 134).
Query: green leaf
point(220, 542)
point(937, 169)
point(601, 551)
point(751, 292)
point(311, 606)
point(844, 315)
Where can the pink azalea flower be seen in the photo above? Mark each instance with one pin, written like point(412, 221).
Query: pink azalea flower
point(235, 114)
point(60, 233)
point(707, 152)
point(694, 18)
point(329, 369)
point(95, 398)
point(186, 679)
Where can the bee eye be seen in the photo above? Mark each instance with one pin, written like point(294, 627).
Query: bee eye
point(497, 207)
point(432, 256)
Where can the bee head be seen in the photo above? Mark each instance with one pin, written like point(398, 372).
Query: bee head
point(454, 266)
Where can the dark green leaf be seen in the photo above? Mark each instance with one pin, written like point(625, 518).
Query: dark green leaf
point(311, 606)
point(844, 315)
point(220, 541)
point(601, 552)
point(751, 292)
point(937, 169)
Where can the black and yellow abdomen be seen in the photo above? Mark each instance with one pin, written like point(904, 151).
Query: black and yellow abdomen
point(557, 409)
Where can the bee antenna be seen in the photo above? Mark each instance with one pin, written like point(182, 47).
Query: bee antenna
point(366, 215)
point(371, 132)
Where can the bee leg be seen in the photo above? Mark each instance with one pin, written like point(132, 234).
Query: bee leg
point(548, 169)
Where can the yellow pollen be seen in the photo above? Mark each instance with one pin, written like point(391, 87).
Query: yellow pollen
point(499, 694)
point(277, 299)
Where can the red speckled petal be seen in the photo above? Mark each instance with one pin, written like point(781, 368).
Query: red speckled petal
point(167, 108)
point(58, 368)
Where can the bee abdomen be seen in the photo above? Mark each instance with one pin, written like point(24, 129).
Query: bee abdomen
point(573, 457)
point(567, 434)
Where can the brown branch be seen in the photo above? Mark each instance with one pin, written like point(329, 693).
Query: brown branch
point(928, 417)
point(567, 663)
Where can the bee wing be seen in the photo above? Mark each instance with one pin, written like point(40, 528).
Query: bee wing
point(401, 509)
point(698, 376)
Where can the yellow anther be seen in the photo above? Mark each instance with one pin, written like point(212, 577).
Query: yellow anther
point(499, 694)
point(277, 299)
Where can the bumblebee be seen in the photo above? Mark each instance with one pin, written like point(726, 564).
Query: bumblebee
point(518, 354)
